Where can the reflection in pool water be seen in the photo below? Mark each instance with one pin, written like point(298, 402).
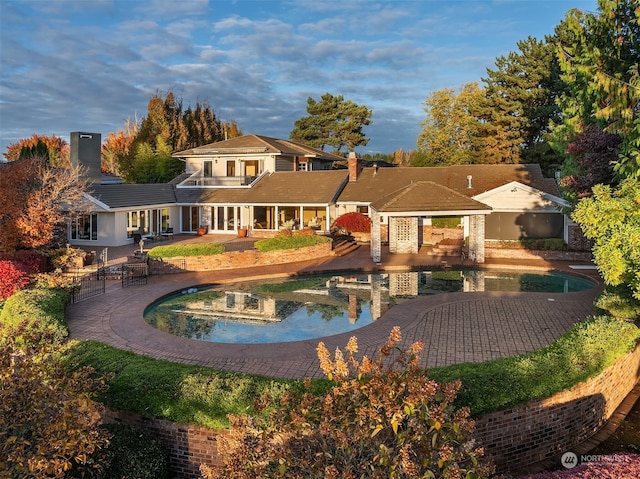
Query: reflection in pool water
point(319, 306)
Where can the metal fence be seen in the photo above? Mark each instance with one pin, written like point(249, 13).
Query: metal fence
point(88, 285)
point(134, 274)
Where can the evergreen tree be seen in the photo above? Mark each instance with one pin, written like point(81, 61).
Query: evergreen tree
point(519, 105)
point(598, 54)
point(332, 121)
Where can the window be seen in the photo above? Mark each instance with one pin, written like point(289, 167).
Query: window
point(85, 227)
point(231, 168)
point(138, 222)
point(303, 166)
point(207, 168)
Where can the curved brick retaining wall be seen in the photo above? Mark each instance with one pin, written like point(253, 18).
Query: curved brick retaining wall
point(515, 437)
point(238, 259)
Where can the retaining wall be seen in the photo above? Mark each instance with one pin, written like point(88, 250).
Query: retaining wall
point(514, 437)
point(238, 259)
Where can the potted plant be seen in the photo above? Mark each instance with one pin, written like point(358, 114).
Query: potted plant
point(202, 230)
point(242, 232)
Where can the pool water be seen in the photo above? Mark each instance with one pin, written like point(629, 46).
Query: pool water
point(254, 312)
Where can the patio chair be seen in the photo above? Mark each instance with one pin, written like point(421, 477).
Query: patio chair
point(168, 233)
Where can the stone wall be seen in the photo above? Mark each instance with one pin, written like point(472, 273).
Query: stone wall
point(238, 259)
point(521, 253)
point(514, 437)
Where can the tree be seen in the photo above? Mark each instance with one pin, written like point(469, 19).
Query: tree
point(116, 147)
point(519, 105)
point(168, 127)
point(611, 218)
point(34, 197)
point(598, 54)
point(383, 418)
point(447, 136)
point(594, 152)
point(49, 422)
point(57, 150)
point(332, 121)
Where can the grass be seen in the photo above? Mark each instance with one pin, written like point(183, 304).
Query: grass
point(289, 242)
point(172, 391)
point(204, 396)
point(583, 352)
point(171, 251)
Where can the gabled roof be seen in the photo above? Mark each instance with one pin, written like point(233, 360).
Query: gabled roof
point(427, 196)
point(125, 195)
point(375, 183)
point(252, 144)
point(284, 187)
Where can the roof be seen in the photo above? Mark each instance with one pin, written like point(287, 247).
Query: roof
point(375, 183)
point(127, 195)
point(252, 144)
point(427, 196)
point(284, 187)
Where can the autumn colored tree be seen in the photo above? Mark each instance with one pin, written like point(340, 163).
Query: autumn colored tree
point(383, 418)
point(57, 149)
point(332, 121)
point(34, 199)
point(451, 126)
point(116, 147)
point(49, 421)
point(594, 152)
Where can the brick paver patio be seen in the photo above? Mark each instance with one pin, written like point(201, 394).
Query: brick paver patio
point(455, 327)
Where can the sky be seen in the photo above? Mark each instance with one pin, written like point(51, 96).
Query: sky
point(80, 65)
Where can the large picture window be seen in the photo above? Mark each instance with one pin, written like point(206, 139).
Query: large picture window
point(85, 227)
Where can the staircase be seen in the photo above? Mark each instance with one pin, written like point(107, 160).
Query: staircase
point(343, 246)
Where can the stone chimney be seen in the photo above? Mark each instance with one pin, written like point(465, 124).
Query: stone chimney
point(354, 166)
point(86, 152)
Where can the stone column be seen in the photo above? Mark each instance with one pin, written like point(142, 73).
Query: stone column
point(476, 238)
point(376, 246)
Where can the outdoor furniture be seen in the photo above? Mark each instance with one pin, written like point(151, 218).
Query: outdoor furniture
point(168, 233)
point(136, 238)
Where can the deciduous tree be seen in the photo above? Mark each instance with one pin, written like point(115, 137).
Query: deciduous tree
point(334, 122)
point(57, 149)
point(449, 133)
point(611, 218)
point(35, 200)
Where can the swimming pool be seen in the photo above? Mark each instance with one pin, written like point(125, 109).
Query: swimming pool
point(312, 307)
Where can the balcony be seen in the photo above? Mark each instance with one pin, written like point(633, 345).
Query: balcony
point(218, 181)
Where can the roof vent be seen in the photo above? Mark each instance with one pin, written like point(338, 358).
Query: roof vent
point(469, 178)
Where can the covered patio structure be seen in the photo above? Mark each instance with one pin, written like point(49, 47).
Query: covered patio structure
point(400, 218)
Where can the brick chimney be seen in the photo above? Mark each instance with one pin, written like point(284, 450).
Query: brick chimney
point(85, 150)
point(354, 166)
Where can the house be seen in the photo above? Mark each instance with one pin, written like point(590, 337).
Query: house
point(266, 184)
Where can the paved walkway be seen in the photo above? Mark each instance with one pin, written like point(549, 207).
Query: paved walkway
point(455, 327)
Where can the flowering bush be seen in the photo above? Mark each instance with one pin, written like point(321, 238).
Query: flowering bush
point(353, 223)
point(383, 418)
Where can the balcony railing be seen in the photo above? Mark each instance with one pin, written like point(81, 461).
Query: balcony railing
point(218, 181)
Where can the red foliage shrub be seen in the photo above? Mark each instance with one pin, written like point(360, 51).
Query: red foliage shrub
point(13, 277)
point(353, 222)
point(32, 261)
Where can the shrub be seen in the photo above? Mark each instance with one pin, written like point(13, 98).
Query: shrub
point(34, 314)
point(49, 424)
point(619, 302)
point(13, 277)
point(383, 418)
point(446, 222)
point(171, 251)
point(133, 453)
point(353, 222)
point(289, 242)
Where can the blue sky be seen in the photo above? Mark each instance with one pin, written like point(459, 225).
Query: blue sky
point(89, 65)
